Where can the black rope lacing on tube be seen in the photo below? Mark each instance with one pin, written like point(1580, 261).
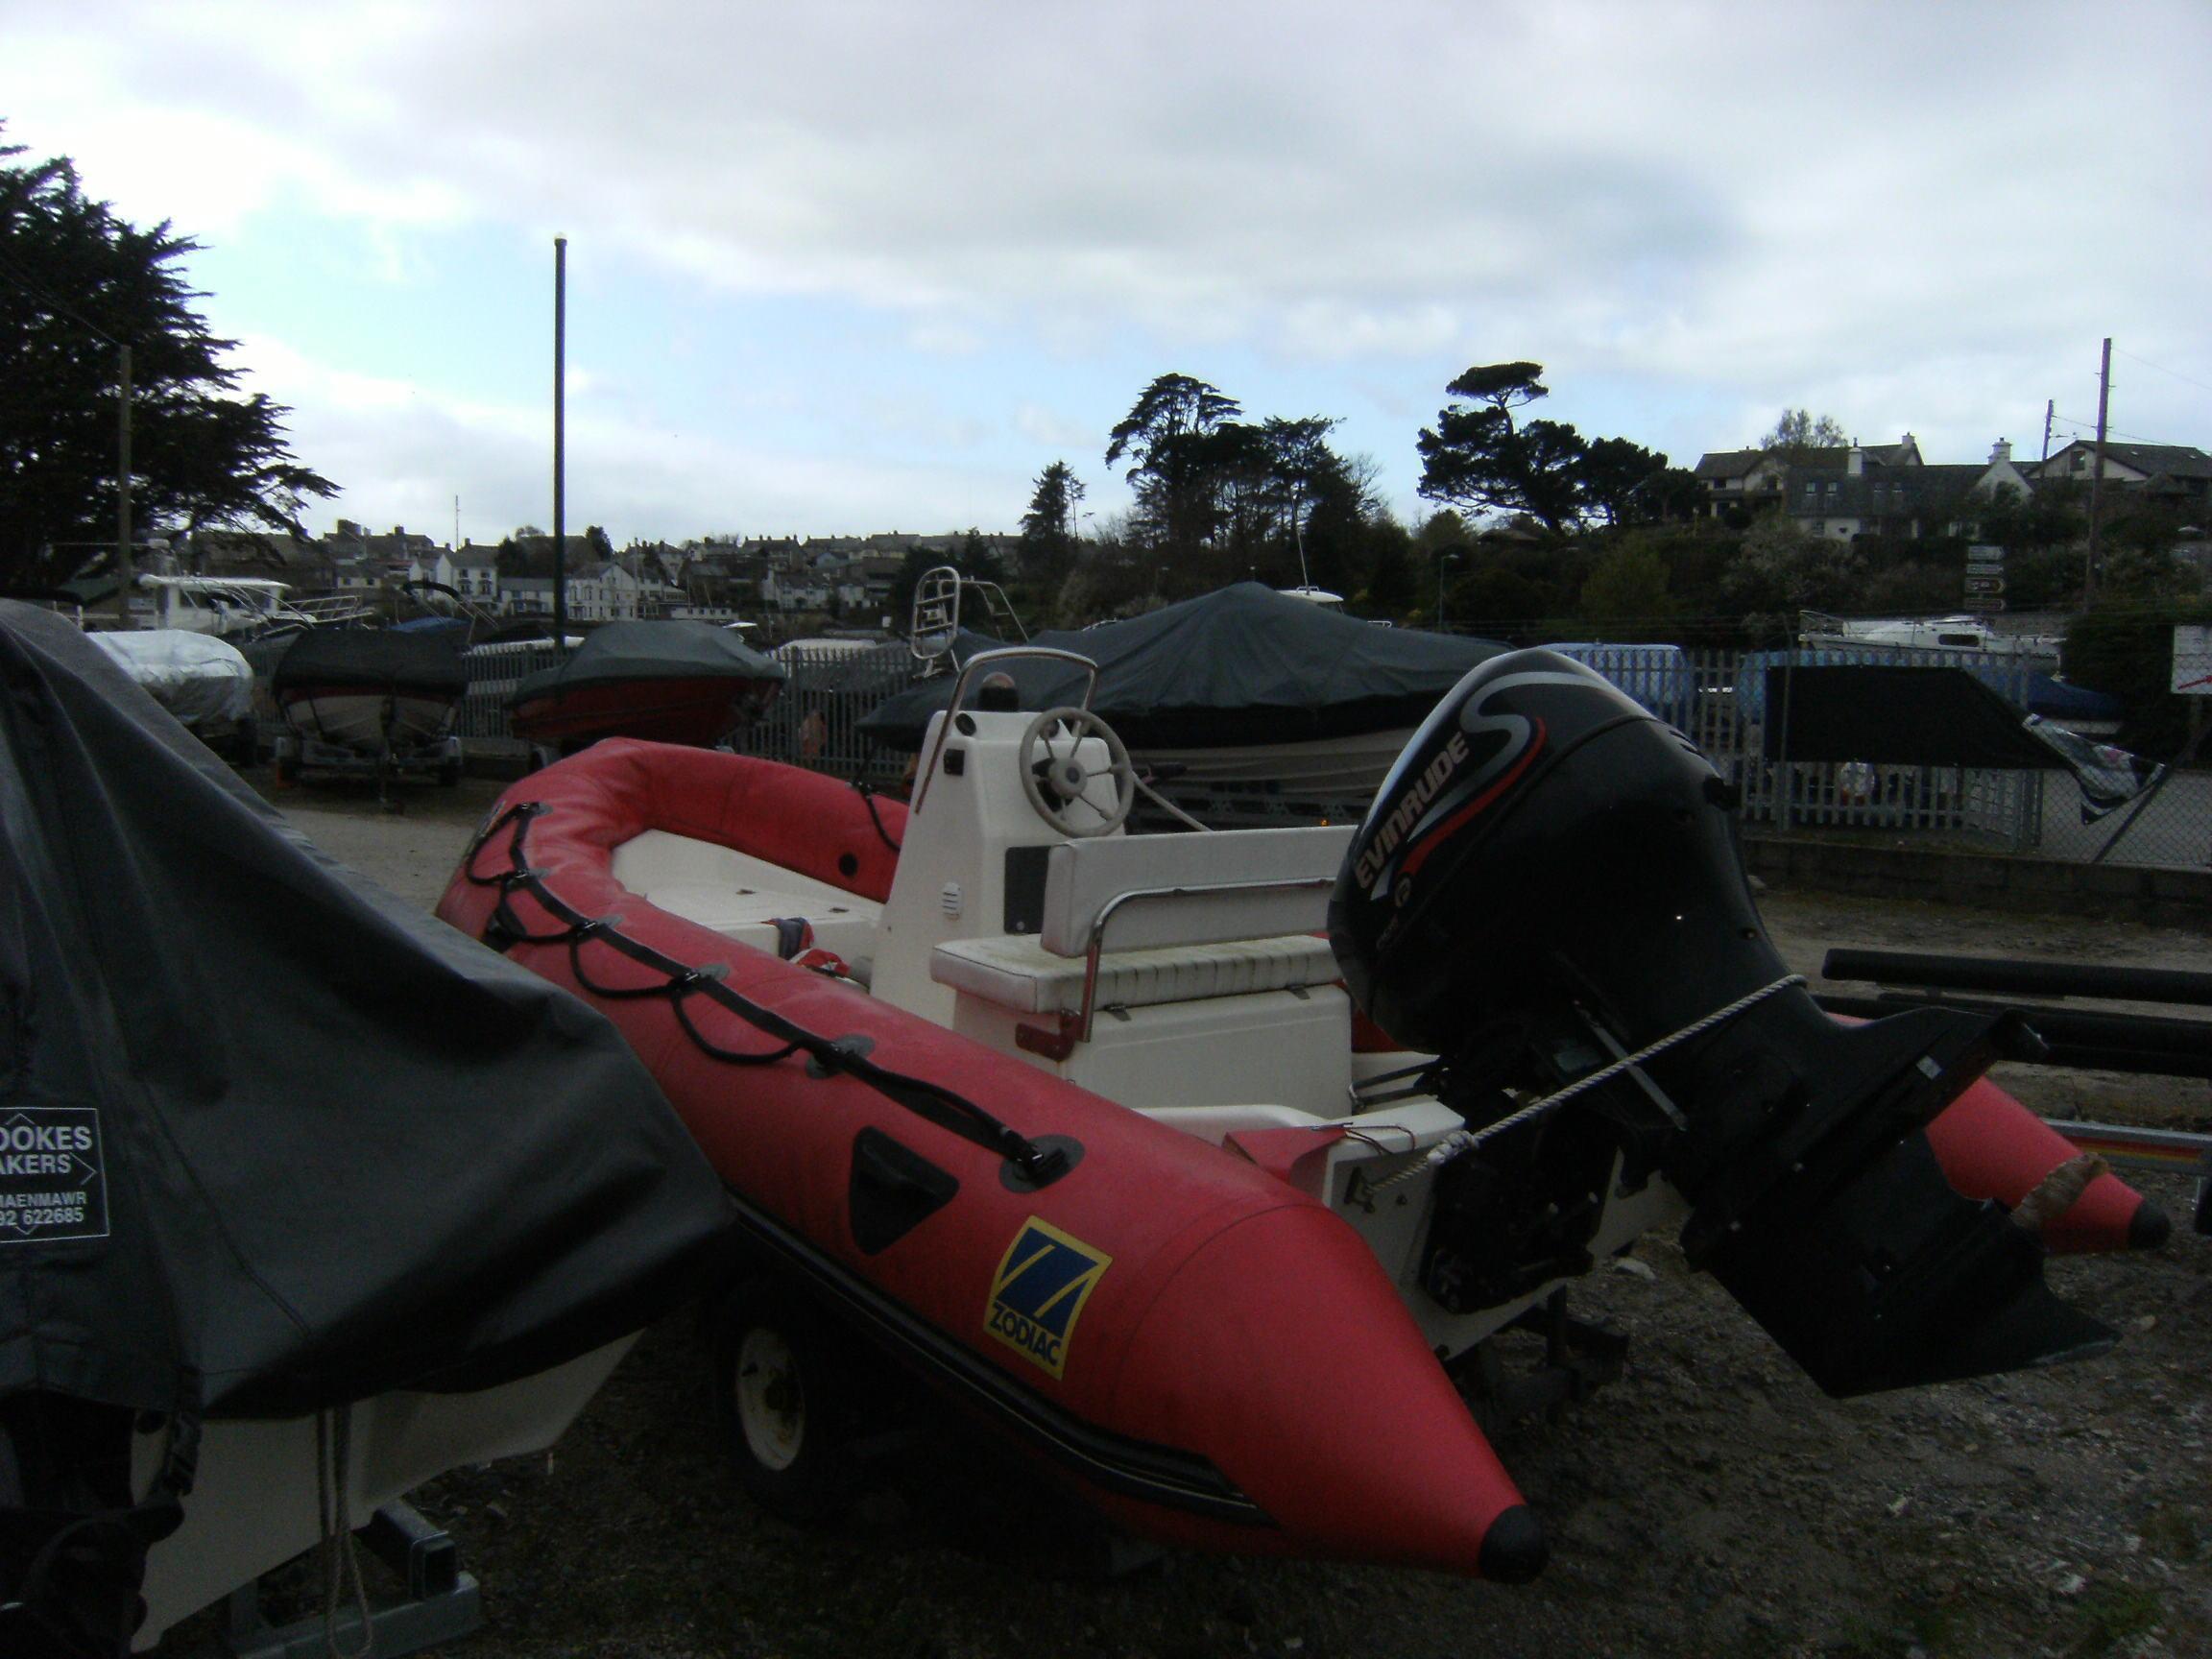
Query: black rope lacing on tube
point(682, 982)
point(868, 800)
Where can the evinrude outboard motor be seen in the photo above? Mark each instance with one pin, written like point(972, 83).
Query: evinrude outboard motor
point(1549, 882)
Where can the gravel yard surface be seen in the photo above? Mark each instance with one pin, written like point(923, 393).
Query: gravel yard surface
point(1711, 1500)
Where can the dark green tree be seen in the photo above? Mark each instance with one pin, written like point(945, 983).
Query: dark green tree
point(1302, 472)
point(1799, 432)
point(1623, 484)
point(1392, 582)
point(1048, 538)
point(1781, 568)
point(978, 558)
point(2124, 647)
point(1480, 457)
point(1171, 437)
point(1484, 458)
point(76, 283)
point(1626, 596)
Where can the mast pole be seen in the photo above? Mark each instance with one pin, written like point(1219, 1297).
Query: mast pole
point(560, 445)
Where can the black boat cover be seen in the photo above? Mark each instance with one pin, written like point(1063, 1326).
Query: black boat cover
point(1242, 666)
point(1938, 718)
point(1895, 716)
point(373, 659)
point(668, 650)
point(271, 1141)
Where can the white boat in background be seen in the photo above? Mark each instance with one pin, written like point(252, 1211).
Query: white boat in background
point(1955, 633)
point(205, 681)
point(229, 607)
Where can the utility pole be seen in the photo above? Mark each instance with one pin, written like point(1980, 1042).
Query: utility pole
point(2097, 477)
point(2050, 412)
point(125, 578)
point(560, 441)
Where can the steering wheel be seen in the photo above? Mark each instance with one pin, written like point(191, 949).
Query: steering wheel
point(1055, 779)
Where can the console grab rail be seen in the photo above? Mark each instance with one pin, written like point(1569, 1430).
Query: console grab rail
point(1095, 942)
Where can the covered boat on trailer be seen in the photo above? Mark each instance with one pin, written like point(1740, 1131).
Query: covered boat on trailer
point(671, 682)
point(1245, 688)
point(203, 680)
point(380, 700)
point(300, 1192)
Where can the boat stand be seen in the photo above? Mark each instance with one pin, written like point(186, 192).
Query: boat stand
point(1580, 1357)
point(440, 1603)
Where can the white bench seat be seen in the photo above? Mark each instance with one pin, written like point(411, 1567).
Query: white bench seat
point(1017, 973)
point(742, 898)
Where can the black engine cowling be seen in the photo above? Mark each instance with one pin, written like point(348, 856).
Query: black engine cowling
point(1550, 880)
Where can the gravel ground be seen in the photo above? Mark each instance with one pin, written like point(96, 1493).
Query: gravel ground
point(1710, 1501)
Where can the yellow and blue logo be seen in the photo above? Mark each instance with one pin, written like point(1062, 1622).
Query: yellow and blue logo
point(1039, 1291)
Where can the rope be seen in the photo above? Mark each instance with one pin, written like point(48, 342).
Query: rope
point(868, 800)
point(340, 1557)
point(680, 980)
point(1465, 1140)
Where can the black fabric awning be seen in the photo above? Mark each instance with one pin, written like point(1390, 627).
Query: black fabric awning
point(1896, 716)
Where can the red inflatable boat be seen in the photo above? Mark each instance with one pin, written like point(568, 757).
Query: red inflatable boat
point(1183, 1333)
point(1070, 1123)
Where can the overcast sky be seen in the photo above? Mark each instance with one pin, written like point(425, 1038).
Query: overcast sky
point(840, 267)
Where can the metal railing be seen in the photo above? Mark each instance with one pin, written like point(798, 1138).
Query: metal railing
point(813, 721)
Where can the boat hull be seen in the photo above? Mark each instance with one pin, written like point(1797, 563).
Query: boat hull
point(368, 722)
point(696, 712)
point(1348, 768)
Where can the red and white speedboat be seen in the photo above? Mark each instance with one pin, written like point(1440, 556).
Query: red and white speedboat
point(1084, 1128)
point(671, 682)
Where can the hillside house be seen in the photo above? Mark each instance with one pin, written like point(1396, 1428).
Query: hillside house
point(2177, 473)
point(1805, 483)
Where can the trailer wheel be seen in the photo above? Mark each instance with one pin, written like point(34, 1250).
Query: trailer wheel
point(784, 1386)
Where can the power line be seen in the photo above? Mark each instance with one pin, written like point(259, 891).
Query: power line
point(2162, 368)
point(2111, 431)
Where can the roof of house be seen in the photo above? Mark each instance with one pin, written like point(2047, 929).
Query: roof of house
point(2173, 460)
point(1889, 493)
point(1728, 463)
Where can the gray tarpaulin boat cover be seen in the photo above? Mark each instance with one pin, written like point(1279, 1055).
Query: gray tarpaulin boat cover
point(671, 650)
point(271, 1141)
point(372, 660)
point(1242, 666)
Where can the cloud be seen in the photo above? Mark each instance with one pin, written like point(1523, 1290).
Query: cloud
point(418, 449)
point(1051, 430)
point(1680, 209)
